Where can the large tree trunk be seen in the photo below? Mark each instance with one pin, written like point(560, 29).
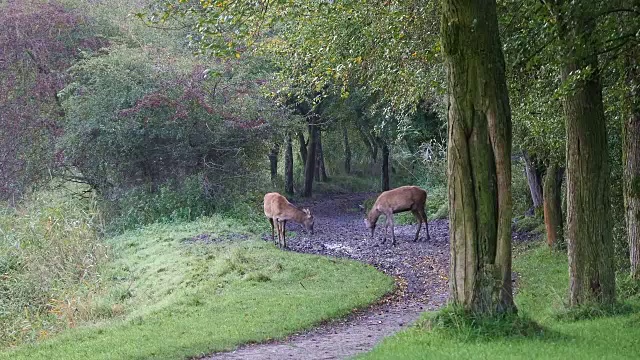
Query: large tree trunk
point(553, 206)
point(288, 166)
point(310, 163)
point(273, 162)
point(589, 230)
point(631, 163)
point(385, 167)
point(534, 178)
point(303, 149)
point(347, 149)
point(479, 158)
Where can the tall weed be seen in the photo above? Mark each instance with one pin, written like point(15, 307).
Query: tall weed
point(50, 252)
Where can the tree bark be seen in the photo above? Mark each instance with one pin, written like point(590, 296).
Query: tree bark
point(589, 230)
point(288, 166)
point(303, 149)
point(347, 149)
point(320, 172)
point(631, 163)
point(479, 158)
point(385, 167)
point(534, 178)
point(369, 143)
point(321, 167)
point(553, 206)
point(310, 163)
point(273, 162)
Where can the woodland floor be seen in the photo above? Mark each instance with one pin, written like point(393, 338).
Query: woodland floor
point(420, 269)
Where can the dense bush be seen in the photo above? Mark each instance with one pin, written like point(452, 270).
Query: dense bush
point(39, 40)
point(50, 253)
point(163, 140)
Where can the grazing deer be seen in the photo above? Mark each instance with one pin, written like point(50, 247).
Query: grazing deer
point(278, 210)
point(398, 200)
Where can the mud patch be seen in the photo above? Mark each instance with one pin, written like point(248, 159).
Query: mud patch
point(419, 268)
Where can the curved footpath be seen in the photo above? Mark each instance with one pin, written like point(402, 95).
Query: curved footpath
point(420, 270)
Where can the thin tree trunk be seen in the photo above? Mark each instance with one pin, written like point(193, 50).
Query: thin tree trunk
point(385, 167)
point(322, 170)
point(534, 178)
point(347, 149)
point(288, 166)
point(374, 154)
point(310, 163)
point(553, 206)
point(273, 162)
point(303, 149)
point(319, 173)
point(316, 168)
point(479, 158)
point(370, 143)
point(631, 163)
point(589, 224)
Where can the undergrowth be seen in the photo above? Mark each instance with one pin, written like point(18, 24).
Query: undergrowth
point(50, 256)
point(455, 322)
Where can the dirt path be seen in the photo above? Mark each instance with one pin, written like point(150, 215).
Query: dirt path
point(420, 270)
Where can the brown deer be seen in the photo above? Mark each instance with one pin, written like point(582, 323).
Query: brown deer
point(278, 210)
point(404, 198)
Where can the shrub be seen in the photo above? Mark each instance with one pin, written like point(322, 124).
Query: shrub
point(50, 253)
point(160, 142)
point(38, 41)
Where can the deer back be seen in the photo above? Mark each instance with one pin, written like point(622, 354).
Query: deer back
point(278, 207)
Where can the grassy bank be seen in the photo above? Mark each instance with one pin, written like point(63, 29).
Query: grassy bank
point(170, 295)
point(539, 332)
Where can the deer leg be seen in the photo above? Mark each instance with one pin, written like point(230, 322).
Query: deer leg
point(386, 228)
point(426, 224)
point(419, 218)
point(284, 233)
point(273, 239)
point(279, 226)
point(393, 234)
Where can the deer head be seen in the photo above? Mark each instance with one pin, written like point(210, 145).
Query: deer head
point(308, 220)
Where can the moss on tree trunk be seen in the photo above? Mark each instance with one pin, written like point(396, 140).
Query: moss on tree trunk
point(589, 230)
point(479, 158)
point(631, 162)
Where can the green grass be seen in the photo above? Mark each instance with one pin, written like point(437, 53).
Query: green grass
point(539, 331)
point(170, 298)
